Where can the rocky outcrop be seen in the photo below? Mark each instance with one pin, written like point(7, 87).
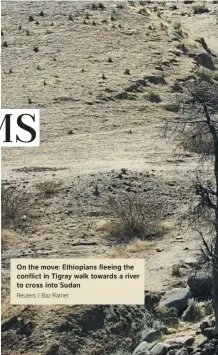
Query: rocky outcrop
point(205, 60)
point(176, 298)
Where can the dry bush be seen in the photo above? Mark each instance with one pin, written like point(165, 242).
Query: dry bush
point(10, 239)
point(48, 188)
point(168, 316)
point(14, 205)
point(192, 131)
point(205, 74)
point(197, 141)
point(137, 216)
point(153, 96)
point(200, 9)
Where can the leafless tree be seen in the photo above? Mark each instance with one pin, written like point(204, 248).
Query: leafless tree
point(197, 131)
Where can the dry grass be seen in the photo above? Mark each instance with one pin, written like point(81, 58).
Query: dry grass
point(10, 239)
point(137, 246)
point(48, 188)
point(167, 225)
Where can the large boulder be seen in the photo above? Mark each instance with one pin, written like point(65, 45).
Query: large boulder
point(205, 60)
point(176, 298)
point(151, 335)
point(200, 285)
point(142, 349)
point(159, 349)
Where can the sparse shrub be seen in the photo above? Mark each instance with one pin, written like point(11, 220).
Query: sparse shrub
point(172, 107)
point(200, 9)
point(37, 22)
point(136, 215)
point(110, 60)
point(96, 191)
point(101, 6)
point(177, 35)
point(208, 308)
point(127, 72)
point(94, 6)
point(176, 270)
point(27, 33)
point(177, 25)
point(104, 77)
point(19, 27)
point(197, 142)
point(120, 6)
point(205, 74)
point(31, 18)
point(194, 310)
point(2, 33)
point(5, 44)
point(29, 101)
point(36, 49)
point(70, 18)
point(41, 13)
point(48, 188)
point(177, 87)
point(48, 32)
point(14, 204)
point(153, 96)
point(124, 171)
point(168, 316)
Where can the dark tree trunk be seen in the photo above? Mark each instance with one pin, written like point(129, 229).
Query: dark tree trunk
point(215, 256)
point(215, 285)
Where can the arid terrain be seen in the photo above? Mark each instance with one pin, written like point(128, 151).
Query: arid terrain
point(106, 79)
